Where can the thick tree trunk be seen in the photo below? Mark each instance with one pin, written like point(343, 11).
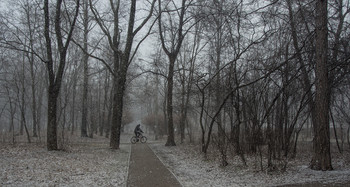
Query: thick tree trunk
point(117, 111)
point(170, 79)
point(52, 118)
point(321, 159)
point(320, 107)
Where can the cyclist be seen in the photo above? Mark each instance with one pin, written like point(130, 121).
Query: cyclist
point(138, 130)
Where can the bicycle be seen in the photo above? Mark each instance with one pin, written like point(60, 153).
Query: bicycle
point(141, 138)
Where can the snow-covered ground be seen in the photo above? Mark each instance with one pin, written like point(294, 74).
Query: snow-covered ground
point(191, 169)
point(89, 163)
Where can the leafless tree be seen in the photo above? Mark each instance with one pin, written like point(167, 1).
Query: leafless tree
point(187, 64)
point(172, 32)
point(122, 57)
point(55, 78)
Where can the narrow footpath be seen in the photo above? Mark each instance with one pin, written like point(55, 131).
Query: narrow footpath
point(145, 169)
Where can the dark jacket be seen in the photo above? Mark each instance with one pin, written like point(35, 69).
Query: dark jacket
point(138, 129)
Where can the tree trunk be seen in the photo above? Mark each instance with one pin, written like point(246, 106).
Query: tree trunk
point(321, 159)
point(52, 118)
point(109, 115)
point(170, 79)
point(204, 150)
point(84, 115)
point(23, 112)
point(72, 119)
point(172, 55)
point(218, 97)
point(105, 105)
point(117, 111)
point(182, 108)
point(33, 88)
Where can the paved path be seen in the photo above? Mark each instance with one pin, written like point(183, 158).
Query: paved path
point(146, 169)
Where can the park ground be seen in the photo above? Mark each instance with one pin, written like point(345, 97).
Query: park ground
point(90, 162)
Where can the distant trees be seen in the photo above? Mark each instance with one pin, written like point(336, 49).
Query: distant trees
point(67, 72)
point(24, 38)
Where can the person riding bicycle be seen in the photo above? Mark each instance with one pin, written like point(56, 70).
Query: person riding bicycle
point(138, 130)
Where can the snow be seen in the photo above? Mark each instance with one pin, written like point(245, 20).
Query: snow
point(190, 167)
point(90, 162)
point(81, 164)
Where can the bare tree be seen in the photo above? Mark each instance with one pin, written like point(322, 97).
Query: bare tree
point(171, 46)
point(187, 65)
point(31, 14)
point(121, 58)
point(55, 78)
point(21, 97)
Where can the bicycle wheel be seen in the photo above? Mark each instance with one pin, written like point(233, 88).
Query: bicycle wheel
point(133, 140)
point(143, 139)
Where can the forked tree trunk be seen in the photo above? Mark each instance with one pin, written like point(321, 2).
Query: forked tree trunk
point(55, 79)
point(121, 61)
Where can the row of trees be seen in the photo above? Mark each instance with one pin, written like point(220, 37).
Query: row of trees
point(72, 22)
point(240, 74)
point(251, 74)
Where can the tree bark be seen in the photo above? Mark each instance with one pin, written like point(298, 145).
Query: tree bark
point(118, 96)
point(170, 79)
point(321, 159)
point(84, 114)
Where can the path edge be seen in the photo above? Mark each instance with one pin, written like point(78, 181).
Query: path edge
point(127, 170)
point(169, 169)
